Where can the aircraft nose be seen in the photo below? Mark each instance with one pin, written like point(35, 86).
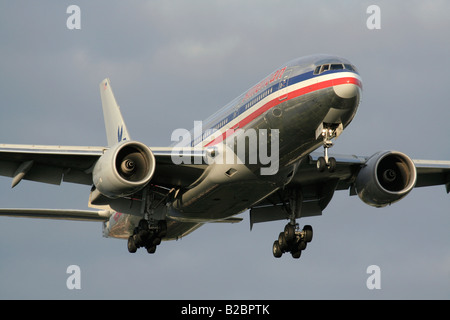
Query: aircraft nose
point(347, 89)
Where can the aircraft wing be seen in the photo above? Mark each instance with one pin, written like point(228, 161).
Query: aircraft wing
point(318, 187)
point(54, 164)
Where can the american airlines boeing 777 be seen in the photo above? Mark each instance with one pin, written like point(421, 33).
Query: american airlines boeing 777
point(262, 152)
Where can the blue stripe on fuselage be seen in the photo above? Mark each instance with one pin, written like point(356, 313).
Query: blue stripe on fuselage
point(234, 113)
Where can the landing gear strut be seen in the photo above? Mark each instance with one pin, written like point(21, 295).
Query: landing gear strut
point(328, 132)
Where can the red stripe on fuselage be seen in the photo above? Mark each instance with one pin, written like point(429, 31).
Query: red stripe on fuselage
point(274, 102)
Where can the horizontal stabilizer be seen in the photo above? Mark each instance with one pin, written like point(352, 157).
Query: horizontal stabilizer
point(58, 214)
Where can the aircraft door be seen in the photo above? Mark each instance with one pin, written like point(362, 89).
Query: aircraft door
point(284, 83)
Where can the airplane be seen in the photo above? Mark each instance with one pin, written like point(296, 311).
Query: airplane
point(260, 153)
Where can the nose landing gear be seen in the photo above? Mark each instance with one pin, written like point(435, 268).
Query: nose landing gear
point(328, 132)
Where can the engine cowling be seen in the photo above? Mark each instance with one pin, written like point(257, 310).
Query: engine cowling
point(124, 169)
point(386, 178)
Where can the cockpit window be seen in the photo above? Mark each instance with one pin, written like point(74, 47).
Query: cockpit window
point(334, 66)
point(350, 67)
point(317, 70)
point(322, 68)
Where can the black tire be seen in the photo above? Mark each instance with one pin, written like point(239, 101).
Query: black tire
point(296, 254)
point(301, 245)
point(151, 249)
point(137, 240)
point(331, 165)
point(157, 241)
point(277, 253)
point(321, 164)
point(131, 245)
point(289, 232)
point(282, 242)
point(308, 233)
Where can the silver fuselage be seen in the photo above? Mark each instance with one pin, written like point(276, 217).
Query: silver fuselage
point(295, 100)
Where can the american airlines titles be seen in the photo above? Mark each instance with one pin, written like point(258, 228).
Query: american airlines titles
point(264, 83)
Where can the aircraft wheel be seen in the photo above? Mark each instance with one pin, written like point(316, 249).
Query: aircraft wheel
point(308, 233)
point(289, 232)
point(331, 165)
point(151, 249)
point(157, 241)
point(296, 254)
point(282, 242)
point(276, 250)
point(301, 245)
point(321, 164)
point(132, 248)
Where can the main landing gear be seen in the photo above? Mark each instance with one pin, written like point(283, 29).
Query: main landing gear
point(151, 228)
point(292, 240)
point(146, 235)
point(328, 132)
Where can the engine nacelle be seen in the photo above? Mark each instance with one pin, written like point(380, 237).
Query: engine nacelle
point(387, 177)
point(124, 169)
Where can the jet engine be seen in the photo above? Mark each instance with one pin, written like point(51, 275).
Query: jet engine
point(124, 169)
point(386, 178)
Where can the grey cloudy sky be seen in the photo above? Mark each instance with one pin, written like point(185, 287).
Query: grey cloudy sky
point(173, 62)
